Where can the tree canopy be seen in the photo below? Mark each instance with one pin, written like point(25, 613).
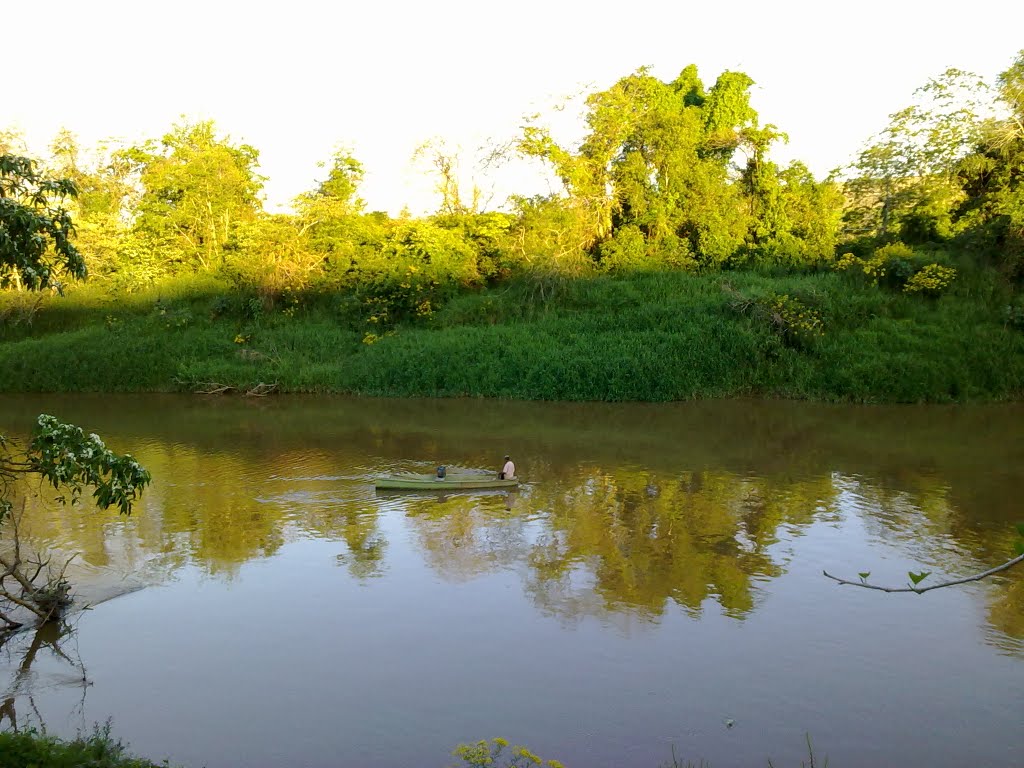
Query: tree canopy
point(668, 174)
point(674, 174)
point(197, 188)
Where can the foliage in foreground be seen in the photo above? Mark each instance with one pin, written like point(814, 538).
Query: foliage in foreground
point(63, 456)
point(29, 749)
point(497, 753)
point(35, 226)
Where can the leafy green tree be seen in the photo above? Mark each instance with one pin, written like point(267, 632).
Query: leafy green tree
point(197, 189)
point(488, 235)
point(904, 182)
point(35, 226)
point(586, 173)
point(991, 215)
point(655, 183)
point(71, 461)
point(103, 210)
point(334, 229)
point(330, 216)
point(795, 218)
point(336, 196)
point(880, 185)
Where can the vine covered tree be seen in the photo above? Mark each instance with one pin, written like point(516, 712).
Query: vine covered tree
point(657, 180)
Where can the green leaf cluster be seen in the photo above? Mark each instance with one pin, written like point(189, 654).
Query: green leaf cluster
point(68, 458)
point(35, 226)
point(498, 754)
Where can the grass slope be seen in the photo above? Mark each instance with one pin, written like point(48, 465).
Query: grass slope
point(647, 337)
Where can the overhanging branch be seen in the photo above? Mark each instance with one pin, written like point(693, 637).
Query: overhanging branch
point(919, 590)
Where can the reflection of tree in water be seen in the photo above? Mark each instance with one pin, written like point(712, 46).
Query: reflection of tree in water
point(200, 508)
point(19, 651)
point(464, 535)
point(366, 544)
point(217, 511)
point(922, 516)
point(622, 541)
point(1006, 613)
point(591, 535)
point(638, 540)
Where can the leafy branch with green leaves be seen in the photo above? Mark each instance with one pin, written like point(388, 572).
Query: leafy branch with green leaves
point(35, 227)
point(916, 577)
point(63, 456)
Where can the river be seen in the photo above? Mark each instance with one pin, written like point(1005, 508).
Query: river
point(656, 583)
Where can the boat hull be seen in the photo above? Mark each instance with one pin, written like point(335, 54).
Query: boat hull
point(433, 483)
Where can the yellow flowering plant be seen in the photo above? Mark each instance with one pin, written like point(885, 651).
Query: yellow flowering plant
point(930, 280)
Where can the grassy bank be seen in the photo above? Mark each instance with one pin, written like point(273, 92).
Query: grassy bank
point(29, 749)
point(646, 337)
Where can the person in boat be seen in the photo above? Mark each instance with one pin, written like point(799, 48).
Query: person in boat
point(508, 472)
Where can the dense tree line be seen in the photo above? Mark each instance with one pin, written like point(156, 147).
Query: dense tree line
point(947, 171)
point(669, 175)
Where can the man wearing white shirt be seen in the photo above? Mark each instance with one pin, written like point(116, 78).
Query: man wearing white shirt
point(508, 472)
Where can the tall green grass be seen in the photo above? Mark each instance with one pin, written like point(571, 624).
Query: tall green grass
point(26, 749)
point(649, 337)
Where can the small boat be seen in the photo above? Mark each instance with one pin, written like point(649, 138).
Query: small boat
point(451, 481)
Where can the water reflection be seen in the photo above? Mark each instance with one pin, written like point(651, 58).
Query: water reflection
point(463, 536)
point(367, 546)
point(48, 647)
point(659, 569)
point(618, 513)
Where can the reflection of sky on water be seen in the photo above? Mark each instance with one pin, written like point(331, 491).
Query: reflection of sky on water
point(621, 601)
point(410, 663)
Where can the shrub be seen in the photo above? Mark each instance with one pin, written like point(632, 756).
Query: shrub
point(847, 262)
point(419, 267)
point(797, 324)
point(930, 280)
point(898, 270)
point(1013, 316)
point(487, 233)
point(630, 251)
point(269, 256)
point(173, 317)
point(791, 320)
point(493, 754)
point(900, 267)
point(19, 307)
point(98, 750)
point(627, 250)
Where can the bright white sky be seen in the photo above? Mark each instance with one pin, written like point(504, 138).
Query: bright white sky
point(298, 78)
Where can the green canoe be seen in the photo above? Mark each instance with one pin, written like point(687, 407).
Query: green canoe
point(452, 481)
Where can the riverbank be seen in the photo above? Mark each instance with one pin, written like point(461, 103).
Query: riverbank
point(18, 750)
point(99, 750)
point(643, 337)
